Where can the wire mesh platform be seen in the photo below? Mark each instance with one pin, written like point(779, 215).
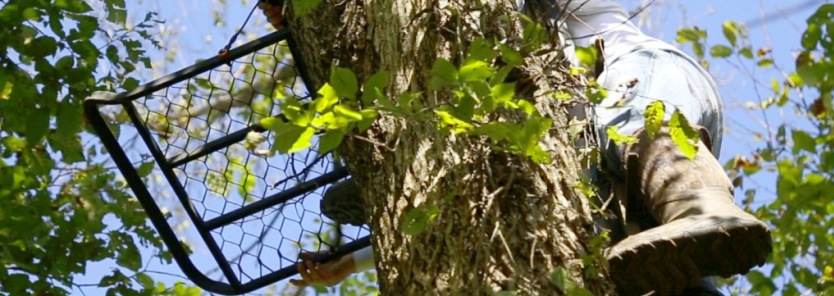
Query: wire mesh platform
point(233, 214)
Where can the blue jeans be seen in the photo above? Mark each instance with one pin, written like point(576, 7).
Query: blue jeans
point(660, 75)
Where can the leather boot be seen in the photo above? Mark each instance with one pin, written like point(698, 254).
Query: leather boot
point(343, 204)
point(701, 232)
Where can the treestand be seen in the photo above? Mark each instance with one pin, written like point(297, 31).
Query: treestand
point(207, 164)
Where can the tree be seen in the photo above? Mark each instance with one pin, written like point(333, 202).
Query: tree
point(799, 151)
point(496, 221)
point(61, 207)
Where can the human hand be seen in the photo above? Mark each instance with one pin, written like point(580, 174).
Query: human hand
point(323, 274)
point(273, 13)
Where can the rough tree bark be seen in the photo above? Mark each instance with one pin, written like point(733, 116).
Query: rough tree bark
point(505, 223)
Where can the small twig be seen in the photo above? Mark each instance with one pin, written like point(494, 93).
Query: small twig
point(297, 174)
point(383, 145)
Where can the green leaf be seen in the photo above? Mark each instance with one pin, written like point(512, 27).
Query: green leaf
point(812, 36)
point(730, 30)
point(534, 34)
point(6, 88)
point(465, 109)
point(13, 143)
point(130, 83)
point(595, 92)
point(720, 51)
point(510, 56)
point(330, 141)
point(495, 130)
point(374, 87)
point(405, 101)
point(481, 50)
point(129, 257)
point(746, 52)
point(561, 280)
point(295, 112)
point(327, 98)
point(687, 35)
point(271, 123)
point(304, 140)
point(145, 280)
point(303, 7)
point(587, 56)
point(37, 125)
point(344, 82)
point(368, 118)
point(654, 115)
point(443, 73)
point(457, 126)
point(145, 168)
point(117, 16)
point(417, 220)
point(765, 63)
point(618, 138)
point(534, 129)
point(476, 71)
point(761, 284)
point(503, 93)
point(347, 113)
point(683, 134)
point(803, 142)
point(288, 137)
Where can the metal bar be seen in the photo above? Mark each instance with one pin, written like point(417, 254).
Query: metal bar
point(196, 69)
point(182, 195)
point(277, 198)
point(148, 203)
point(301, 66)
point(213, 146)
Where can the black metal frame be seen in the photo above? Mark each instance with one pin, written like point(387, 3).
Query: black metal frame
point(156, 216)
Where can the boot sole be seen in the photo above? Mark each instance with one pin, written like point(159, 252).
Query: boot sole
point(668, 265)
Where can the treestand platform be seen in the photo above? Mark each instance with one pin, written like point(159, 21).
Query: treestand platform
point(233, 215)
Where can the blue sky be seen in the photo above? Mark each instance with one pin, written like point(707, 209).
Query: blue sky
point(194, 36)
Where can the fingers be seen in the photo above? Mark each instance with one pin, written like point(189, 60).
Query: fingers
point(315, 273)
point(299, 283)
point(306, 256)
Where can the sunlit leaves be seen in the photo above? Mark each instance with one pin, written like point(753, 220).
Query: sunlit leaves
point(654, 115)
point(444, 73)
point(6, 88)
point(720, 51)
point(695, 37)
point(374, 87)
point(731, 32)
point(456, 125)
point(613, 133)
point(344, 82)
point(587, 56)
point(684, 136)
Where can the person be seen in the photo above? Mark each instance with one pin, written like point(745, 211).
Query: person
point(698, 230)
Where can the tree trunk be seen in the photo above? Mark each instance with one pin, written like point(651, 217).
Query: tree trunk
point(504, 223)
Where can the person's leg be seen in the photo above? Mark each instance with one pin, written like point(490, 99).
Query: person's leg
point(640, 78)
point(701, 231)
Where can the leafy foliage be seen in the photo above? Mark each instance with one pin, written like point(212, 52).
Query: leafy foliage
point(800, 154)
point(61, 207)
